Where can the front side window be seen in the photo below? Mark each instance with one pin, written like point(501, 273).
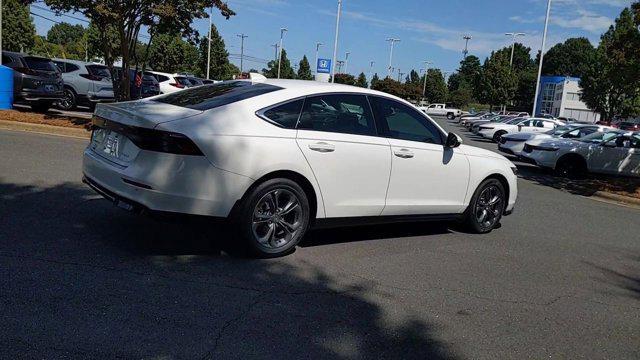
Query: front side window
point(216, 95)
point(285, 115)
point(344, 113)
point(399, 121)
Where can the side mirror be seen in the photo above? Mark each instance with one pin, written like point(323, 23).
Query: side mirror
point(453, 141)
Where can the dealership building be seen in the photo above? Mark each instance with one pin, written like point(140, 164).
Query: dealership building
point(560, 96)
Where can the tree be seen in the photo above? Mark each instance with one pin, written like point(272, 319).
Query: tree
point(469, 72)
point(103, 43)
point(462, 95)
point(374, 80)
point(571, 58)
point(389, 86)
point(286, 71)
point(65, 34)
point(497, 82)
point(414, 78)
point(521, 56)
point(436, 91)
point(526, 88)
point(170, 53)
point(610, 84)
point(220, 68)
point(346, 79)
point(304, 69)
point(362, 81)
point(129, 17)
point(18, 30)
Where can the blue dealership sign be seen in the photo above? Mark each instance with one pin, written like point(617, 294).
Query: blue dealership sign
point(324, 66)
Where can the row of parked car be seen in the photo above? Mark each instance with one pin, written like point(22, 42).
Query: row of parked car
point(41, 82)
point(570, 148)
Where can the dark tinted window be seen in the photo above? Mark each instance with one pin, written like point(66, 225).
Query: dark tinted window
point(399, 121)
point(35, 63)
point(183, 81)
point(99, 70)
point(6, 60)
point(162, 78)
point(60, 65)
point(196, 82)
point(285, 115)
point(215, 95)
point(348, 114)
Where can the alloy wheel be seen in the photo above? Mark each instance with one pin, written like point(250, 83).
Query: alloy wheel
point(66, 102)
point(489, 206)
point(277, 218)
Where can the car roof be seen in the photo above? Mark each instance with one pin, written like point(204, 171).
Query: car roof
point(24, 55)
point(307, 87)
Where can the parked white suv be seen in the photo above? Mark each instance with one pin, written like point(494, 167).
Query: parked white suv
point(84, 84)
point(279, 156)
point(170, 83)
point(441, 110)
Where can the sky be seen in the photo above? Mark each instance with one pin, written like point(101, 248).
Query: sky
point(429, 30)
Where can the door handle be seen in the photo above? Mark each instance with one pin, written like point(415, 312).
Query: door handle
point(322, 147)
point(403, 153)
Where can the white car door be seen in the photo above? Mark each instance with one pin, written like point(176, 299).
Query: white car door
point(337, 135)
point(620, 155)
point(426, 177)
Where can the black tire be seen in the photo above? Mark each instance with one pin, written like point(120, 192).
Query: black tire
point(41, 106)
point(572, 167)
point(254, 218)
point(450, 116)
point(498, 135)
point(472, 220)
point(92, 106)
point(69, 101)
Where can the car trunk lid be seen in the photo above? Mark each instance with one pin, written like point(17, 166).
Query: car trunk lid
point(143, 113)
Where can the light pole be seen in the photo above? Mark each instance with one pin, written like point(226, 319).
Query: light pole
point(275, 56)
point(466, 44)
point(339, 64)
point(317, 50)
point(242, 37)
point(209, 44)
point(346, 62)
point(392, 41)
point(282, 31)
point(371, 71)
point(513, 44)
point(335, 42)
point(400, 75)
point(426, 69)
point(544, 42)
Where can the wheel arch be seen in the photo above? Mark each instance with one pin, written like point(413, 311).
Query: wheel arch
point(298, 178)
point(505, 184)
point(573, 156)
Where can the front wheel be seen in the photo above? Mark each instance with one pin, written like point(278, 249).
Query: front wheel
point(486, 207)
point(497, 136)
point(68, 101)
point(273, 218)
point(450, 116)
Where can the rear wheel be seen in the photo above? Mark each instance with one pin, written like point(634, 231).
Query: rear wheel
point(450, 116)
point(571, 167)
point(41, 106)
point(498, 135)
point(486, 207)
point(68, 102)
point(273, 218)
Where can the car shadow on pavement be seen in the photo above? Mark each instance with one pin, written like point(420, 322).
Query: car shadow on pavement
point(625, 278)
point(83, 279)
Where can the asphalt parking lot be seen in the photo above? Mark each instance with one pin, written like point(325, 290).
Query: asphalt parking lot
point(82, 279)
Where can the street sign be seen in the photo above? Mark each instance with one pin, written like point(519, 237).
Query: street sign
point(324, 66)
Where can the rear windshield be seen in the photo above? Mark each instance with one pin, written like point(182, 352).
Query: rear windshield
point(99, 70)
point(35, 63)
point(214, 95)
point(195, 81)
point(183, 81)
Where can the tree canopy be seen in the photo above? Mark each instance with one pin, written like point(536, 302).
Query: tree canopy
point(18, 30)
point(304, 69)
point(220, 68)
point(286, 71)
point(170, 53)
point(361, 81)
point(571, 58)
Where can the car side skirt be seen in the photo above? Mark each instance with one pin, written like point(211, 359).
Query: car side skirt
point(376, 220)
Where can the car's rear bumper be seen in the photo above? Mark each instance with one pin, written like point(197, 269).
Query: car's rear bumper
point(38, 95)
point(166, 183)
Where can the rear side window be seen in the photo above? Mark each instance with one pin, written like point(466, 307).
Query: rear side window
point(285, 115)
point(99, 70)
point(35, 63)
point(343, 113)
point(183, 81)
point(162, 78)
point(215, 95)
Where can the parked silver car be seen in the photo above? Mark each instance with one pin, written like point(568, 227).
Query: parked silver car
point(84, 83)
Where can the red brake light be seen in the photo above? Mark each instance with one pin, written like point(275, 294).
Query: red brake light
point(25, 71)
point(178, 85)
point(91, 77)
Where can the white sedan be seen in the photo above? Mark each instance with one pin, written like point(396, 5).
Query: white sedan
point(277, 157)
point(610, 152)
point(531, 125)
point(513, 144)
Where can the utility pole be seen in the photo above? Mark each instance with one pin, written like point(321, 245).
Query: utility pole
point(335, 42)
point(242, 37)
point(339, 64)
point(400, 75)
point(392, 41)
point(315, 66)
point(209, 44)
point(282, 31)
point(275, 57)
point(426, 70)
point(346, 63)
point(544, 42)
point(371, 71)
point(466, 45)
point(513, 44)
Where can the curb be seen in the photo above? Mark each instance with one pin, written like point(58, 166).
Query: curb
point(617, 198)
point(45, 129)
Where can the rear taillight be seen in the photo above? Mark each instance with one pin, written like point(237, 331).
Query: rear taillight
point(91, 77)
point(151, 139)
point(178, 85)
point(25, 71)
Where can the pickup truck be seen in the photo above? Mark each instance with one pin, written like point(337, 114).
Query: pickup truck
point(441, 110)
